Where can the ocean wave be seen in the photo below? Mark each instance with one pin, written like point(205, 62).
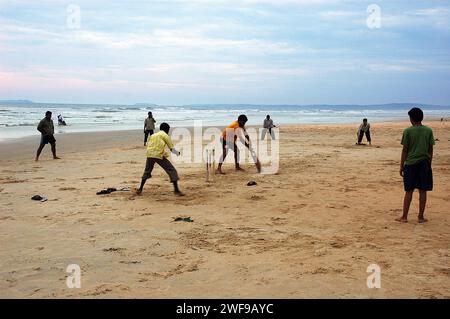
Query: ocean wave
point(106, 111)
point(129, 109)
point(19, 124)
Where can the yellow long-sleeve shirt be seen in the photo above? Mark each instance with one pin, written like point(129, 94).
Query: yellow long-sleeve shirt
point(157, 145)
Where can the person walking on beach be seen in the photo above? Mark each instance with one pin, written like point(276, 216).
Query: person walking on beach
point(364, 128)
point(149, 127)
point(228, 139)
point(47, 131)
point(268, 126)
point(156, 153)
point(415, 163)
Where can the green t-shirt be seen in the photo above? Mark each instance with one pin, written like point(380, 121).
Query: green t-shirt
point(417, 139)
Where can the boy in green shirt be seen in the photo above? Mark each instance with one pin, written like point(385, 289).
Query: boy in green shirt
point(415, 163)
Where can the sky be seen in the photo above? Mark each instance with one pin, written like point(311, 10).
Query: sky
point(178, 52)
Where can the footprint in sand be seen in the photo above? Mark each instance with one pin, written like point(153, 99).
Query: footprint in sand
point(129, 262)
point(146, 214)
point(7, 218)
point(114, 250)
point(338, 242)
point(67, 188)
point(278, 221)
point(11, 180)
point(105, 289)
point(320, 252)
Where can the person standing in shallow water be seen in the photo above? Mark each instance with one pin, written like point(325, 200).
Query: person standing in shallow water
point(47, 135)
point(149, 127)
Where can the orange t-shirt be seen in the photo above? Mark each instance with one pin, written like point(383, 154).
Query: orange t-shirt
point(234, 126)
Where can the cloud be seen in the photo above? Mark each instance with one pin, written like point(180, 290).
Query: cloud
point(421, 18)
point(396, 68)
point(340, 14)
point(431, 12)
point(189, 38)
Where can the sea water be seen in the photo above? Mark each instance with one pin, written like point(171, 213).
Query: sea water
point(20, 119)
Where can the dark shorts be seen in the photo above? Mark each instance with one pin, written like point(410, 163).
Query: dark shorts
point(166, 166)
point(45, 139)
point(418, 176)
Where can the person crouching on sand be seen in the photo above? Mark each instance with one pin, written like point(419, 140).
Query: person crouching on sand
point(235, 129)
point(364, 128)
point(415, 163)
point(47, 131)
point(156, 153)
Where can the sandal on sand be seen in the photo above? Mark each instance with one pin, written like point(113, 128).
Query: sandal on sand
point(183, 219)
point(39, 198)
point(109, 190)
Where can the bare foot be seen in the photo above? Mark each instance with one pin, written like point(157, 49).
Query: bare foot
point(422, 220)
point(178, 193)
point(138, 191)
point(401, 220)
point(36, 159)
point(219, 171)
point(56, 157)
point(239, 169)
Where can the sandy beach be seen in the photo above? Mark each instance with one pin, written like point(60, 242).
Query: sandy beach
point(311, 230)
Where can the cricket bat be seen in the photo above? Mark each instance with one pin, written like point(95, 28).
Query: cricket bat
point(255, 159)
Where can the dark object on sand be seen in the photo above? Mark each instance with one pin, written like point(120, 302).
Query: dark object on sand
point(106, 191)
point(183, 219)
point(251, 183)
point(39, 198)
point(112, 189)
point(436, 140)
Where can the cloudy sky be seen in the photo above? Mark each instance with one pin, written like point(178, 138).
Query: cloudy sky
point(235, 51)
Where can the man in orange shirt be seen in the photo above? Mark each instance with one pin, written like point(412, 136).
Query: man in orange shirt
point(228, 139)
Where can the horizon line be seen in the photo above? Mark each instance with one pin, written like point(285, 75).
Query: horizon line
point(27, 101)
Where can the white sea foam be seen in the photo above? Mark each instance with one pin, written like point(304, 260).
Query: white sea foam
point(18, 120)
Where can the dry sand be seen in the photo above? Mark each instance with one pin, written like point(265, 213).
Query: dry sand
point(309, 231)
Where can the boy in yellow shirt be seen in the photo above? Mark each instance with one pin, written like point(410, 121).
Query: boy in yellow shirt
point(156, 153)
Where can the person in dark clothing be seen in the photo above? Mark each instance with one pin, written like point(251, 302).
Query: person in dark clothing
point(47, 135)
point(61, 121)
point(149, 127)
point(364, 128)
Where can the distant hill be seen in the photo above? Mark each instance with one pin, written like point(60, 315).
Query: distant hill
point(16, 101)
